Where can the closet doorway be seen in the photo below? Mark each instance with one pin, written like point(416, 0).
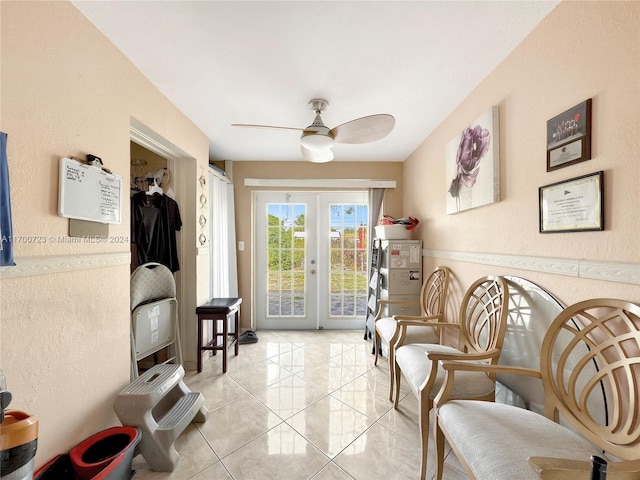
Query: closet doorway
point(183, 170)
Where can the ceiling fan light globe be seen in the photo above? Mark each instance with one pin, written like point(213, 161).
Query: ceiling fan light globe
point(322, 157)
point(316, 141)
point(317, 156)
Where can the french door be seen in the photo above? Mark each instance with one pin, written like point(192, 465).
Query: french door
point(310, 260)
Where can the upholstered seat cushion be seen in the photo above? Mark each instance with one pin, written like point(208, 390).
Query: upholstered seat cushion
point(415, 365)
point(386, 328)
point(495, 440)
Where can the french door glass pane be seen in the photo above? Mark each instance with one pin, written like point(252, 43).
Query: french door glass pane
point(286, 254)
point(348, 259)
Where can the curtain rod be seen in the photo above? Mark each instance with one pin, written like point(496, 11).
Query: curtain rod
point(319, 182)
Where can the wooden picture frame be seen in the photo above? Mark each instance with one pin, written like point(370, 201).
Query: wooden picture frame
point(574, 205)
point(569, 137)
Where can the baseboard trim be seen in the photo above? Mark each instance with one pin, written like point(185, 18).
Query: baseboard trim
point(620, 272)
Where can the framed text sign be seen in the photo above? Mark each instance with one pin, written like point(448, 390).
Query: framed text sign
point(89, 193)
point(573, 205)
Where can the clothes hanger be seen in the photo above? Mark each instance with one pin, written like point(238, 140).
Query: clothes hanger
point(155, 188)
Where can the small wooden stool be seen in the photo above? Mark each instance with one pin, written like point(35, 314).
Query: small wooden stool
point(219, 309)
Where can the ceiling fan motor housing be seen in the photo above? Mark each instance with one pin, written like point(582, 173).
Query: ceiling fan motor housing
point(317, 136)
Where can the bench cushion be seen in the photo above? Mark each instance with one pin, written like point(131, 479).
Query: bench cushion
point(415, 366)
point(386, 327)
point(495, 440)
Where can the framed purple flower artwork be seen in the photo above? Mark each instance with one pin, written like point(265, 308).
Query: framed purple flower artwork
point(472, 165)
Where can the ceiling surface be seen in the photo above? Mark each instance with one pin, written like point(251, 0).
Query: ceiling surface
point(260, 62)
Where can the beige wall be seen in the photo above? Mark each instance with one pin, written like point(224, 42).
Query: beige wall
point(581, 50)
point(67, 91)
point(280, 170)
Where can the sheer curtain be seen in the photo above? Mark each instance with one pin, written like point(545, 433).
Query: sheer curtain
point(222, 238)
point(376, 195)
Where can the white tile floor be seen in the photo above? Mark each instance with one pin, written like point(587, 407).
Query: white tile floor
point(300, 405)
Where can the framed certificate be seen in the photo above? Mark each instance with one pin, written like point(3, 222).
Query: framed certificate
point(574, 205)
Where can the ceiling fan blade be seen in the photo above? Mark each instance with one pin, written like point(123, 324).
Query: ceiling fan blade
point(317, 156)
point(364, 129)
point(249, 125)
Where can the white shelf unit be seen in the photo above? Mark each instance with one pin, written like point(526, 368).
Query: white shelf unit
point(401, 275)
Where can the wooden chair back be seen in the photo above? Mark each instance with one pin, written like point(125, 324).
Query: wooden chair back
point(591, 348)
point(483, 316)
point(433, 295)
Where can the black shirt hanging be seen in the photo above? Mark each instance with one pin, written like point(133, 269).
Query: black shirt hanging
point(155, 219)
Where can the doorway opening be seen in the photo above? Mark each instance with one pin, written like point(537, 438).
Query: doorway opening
point(181, 167)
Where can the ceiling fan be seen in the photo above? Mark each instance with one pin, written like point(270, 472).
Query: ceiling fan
point(317, 139)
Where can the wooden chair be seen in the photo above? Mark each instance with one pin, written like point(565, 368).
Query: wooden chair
point(591, 352)
point(481, 326)
point(433, 300)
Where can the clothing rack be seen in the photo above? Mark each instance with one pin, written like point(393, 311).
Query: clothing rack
point(142, 184)
point(138, 183)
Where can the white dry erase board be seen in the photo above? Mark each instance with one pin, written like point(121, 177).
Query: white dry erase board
point(89, 193)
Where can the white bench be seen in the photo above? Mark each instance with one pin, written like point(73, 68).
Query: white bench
point(160, 403)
